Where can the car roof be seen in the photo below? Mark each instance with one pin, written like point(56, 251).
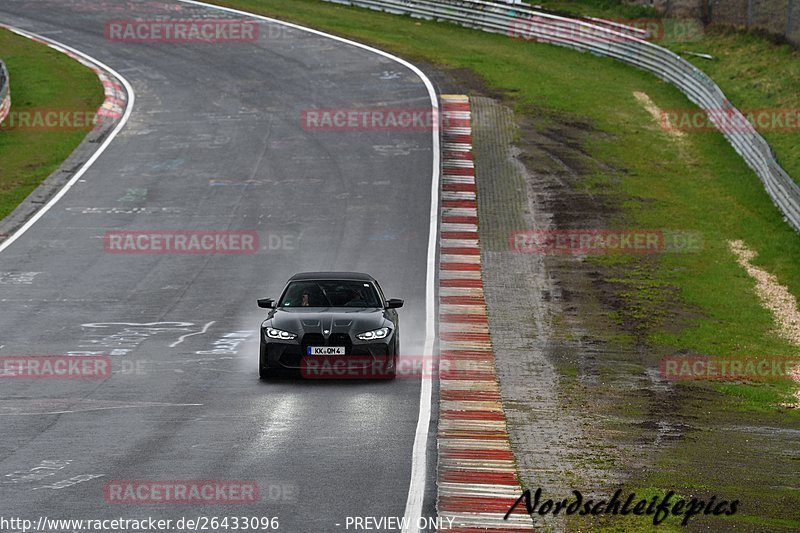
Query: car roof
point(358, 276)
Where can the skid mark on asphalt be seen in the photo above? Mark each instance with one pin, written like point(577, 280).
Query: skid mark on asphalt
point(74, 480)
point(35, 407)
point(126, 210)
point(134, 195)
point(228, 344)
point(126, 336)
point(17, 278)
point(43, 471)
point(39, 472)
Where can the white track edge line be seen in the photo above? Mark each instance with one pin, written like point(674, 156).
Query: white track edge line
point(67, 186)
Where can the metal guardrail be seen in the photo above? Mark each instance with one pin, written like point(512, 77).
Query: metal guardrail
point(623, 44)
point(5, 96)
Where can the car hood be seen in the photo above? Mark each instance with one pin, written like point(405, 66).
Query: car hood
point(328, 319)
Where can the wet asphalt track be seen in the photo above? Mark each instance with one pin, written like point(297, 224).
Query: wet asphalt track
point(215, 143)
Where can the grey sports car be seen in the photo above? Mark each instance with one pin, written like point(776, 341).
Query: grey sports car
point(330, 324)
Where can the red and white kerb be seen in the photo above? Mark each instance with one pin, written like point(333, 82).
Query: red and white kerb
point(114, 103)
point(477, 480)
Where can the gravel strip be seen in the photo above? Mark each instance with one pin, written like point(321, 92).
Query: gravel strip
point(775, 297)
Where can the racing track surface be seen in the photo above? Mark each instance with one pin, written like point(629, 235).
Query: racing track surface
point(215, 143)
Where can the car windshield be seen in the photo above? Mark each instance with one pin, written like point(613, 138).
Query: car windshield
point(330, 293)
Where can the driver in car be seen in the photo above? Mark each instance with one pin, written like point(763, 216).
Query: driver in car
point(355, 299)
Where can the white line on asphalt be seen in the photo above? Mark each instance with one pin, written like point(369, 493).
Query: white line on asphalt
point(416, 490)
point(128, 109)
point(182, 337)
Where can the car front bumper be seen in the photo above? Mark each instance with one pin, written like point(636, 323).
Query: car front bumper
point(291, 354)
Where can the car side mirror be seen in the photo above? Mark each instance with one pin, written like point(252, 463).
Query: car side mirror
point(394, 303)
point(266, 303)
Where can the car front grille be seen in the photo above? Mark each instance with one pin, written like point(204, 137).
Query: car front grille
point(313, 339)
point(341, 339)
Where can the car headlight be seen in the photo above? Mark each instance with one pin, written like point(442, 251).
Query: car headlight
point(374, 334)
point(273, 333)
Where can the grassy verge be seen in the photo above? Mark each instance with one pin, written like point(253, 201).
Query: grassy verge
point(41, 79)
point(700, 302)
point(754, 72)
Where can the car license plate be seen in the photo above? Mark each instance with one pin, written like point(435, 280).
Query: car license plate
point(326, 350)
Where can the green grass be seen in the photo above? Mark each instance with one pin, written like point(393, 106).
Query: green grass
point(755, 74)
point(41, 78)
